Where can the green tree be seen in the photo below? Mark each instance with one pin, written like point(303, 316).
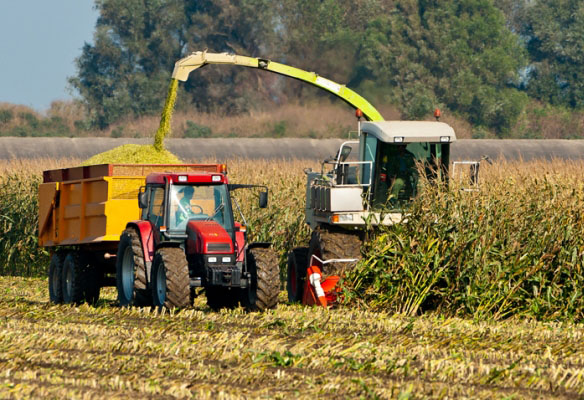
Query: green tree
point(126, 71)
point(554, 32)
point(456, 53)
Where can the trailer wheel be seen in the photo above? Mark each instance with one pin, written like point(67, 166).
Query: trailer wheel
point(171, 284)
point(93, 279)
point(262, 293)
point(131, 271)
point(221, 297)
point(56, 278)
point(297, 265)
point(72, 281)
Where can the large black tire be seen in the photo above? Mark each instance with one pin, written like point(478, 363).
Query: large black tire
point(73, 278)
point(329, 244)
point(171, 284)
point(56, 278)
point(131, 279)
point(262, 294)
point(221, 297)
point(297, 265)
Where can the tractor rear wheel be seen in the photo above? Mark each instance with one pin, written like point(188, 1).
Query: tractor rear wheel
point(171, 284)
point(56, 278)
point(221, 297)
point(297, 265)
point(329, 244)
point(73, 278)
point(262, 292)
point(131, 271)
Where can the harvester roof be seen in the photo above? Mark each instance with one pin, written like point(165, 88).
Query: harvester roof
point(410, 131)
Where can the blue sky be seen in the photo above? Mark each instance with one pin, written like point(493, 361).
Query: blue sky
point(39, 41)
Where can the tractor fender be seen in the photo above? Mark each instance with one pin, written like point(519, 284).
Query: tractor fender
point(146, 233)
point(239, 243)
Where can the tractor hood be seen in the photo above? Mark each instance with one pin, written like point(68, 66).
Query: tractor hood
point(208, 237)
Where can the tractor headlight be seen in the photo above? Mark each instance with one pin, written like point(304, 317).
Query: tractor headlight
point(212, 259)
point(226, 259)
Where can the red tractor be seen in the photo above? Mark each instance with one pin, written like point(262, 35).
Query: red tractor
point(187, 238)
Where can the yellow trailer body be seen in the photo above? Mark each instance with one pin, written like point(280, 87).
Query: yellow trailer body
point(93, 204)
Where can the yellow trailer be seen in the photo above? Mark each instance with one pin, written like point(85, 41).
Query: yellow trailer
point(82, 212)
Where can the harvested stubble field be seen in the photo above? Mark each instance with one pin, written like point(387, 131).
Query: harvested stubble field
point(478, 296)
point(291, 352)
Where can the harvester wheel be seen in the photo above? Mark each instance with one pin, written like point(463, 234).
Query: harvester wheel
point(297, 265)
point(171, 284)
point(131, 271)
point(56, 278)
point(262, 293)
point(73, 278)
point(221, 297)
point(334, 244)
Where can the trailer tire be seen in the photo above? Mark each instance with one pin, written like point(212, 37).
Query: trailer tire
point(262, 293)
point(297, 266)
point(171, 284)
point(219, 297)
point(73, 278)
point(56, 278)
point(131, 279)
point(93, 279)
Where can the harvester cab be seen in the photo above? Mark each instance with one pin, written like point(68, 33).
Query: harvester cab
point(348, 195)
point(386, 176)
point(188, 238)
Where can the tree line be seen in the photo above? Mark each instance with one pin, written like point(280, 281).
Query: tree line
point(485, 61)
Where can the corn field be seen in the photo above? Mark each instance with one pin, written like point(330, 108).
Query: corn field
point(478, 295)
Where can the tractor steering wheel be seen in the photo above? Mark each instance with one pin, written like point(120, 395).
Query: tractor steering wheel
point(199, 209)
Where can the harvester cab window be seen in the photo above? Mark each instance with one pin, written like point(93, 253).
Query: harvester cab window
point(205, 203)
point(156, 211)
point(396, 173)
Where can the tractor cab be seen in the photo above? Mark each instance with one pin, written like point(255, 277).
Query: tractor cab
point(172, 202)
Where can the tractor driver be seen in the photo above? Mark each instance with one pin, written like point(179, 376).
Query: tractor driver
point(185, 210)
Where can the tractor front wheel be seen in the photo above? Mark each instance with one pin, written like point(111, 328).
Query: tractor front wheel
point(297, 265)
point(264, 286)
point(130, 271)
point(170, 278)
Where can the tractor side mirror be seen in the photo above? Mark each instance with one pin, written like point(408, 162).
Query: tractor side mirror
point(143, 198)
point(345, 153)
point(263, 199)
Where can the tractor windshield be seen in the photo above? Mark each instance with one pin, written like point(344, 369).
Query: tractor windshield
point(205, 202)
point(397, 171)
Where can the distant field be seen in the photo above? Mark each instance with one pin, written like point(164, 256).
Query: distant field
point(292, 352)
